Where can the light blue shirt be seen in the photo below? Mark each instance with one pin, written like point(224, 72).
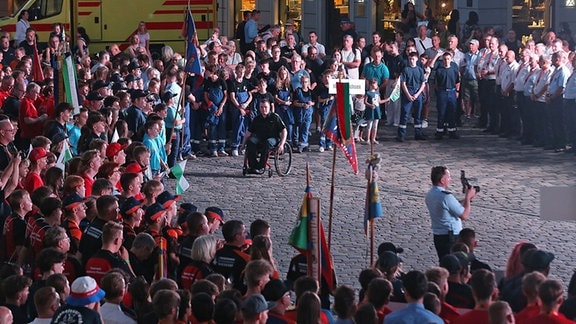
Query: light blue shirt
point(152, 145)
point(445, 211)
point(295, 78)
point(73, 137)
point(250, 31)
point(469, 64)
point(413, 313)
point(570, 89)
point(558, 79)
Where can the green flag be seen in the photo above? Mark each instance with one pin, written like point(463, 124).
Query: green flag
point(178, 172)
point(299, 235)
point(65, 156)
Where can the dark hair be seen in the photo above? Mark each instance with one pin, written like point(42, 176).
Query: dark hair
point(48, 257)
point(225, 311)
point(202, 307)
point(415, 284)
point(12, 285)
point(366, 313)
point(308, 308)
point(258, 227)
point(204, 286)
point(437, 174)
point(344, 297)
point(230, 229)
point(111, 283)
point(472, 18)
point(367, 275)
point(164, 301)
point(100, 185)
point(304, 284)
point(483, 283)
point(379, 291)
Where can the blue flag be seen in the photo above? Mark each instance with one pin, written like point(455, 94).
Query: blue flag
point(192, 58)
point(373, 208)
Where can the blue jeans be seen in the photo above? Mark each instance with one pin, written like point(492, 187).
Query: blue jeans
point(185, 149)
point(217, 134)
point(324, 111)
point(197, 118)
point(303, 117)
point(406, 113)
point(446, 105)
point(238, 127)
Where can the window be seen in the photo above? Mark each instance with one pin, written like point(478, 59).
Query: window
point(45, 8)
point(570, 3)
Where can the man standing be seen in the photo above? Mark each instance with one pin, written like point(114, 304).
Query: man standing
point(135, 117)
point(351, 57)
point(446, 213)
point(508, 73)
point(469, 86)
point(313, 42)
point(29, 120)
point(448, 85)
point(423, 42)
point(251, 30)
point(8, 150)
point(555, 136)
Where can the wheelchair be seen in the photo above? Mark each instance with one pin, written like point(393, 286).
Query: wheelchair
point(282, 162)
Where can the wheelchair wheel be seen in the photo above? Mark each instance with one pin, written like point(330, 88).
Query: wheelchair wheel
point(283, 162)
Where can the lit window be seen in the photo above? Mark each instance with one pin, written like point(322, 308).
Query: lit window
point(570, 3)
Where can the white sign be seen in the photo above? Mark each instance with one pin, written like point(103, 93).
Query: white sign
point(356, 86)
point(558, 203)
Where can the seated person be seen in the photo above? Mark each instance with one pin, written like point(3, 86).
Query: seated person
point(265, 132)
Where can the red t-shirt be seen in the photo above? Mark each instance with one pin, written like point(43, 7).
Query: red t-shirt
point(32, 182)
point(88, 182)
point(27, 109)
point(448, 313)
point(474, 316)
point(382, 313)
point(552, 318)
point(527, 313)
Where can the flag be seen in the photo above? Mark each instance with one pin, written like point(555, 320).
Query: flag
point(70, 82)
point(338, 125)
point(29, 151)
point(192, 59)
point(300, 239)
point(178, 171)
point(115, 136)
point(299, 235)
point(37, 73)
point(65, 156)
point(373, 207)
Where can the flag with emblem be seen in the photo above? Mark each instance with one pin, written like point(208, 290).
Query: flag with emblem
point(338, 124)
point(65, 156)
point(373, 207)
point(178, 171)
point(192, 59)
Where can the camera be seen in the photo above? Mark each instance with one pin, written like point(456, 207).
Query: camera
point(466, 182)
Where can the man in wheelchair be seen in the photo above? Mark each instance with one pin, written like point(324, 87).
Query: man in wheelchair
point(265, 133)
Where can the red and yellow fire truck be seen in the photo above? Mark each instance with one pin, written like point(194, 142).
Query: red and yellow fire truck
point(112, 21)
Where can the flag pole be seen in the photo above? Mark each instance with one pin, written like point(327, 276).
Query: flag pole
point(309, 259)
point(331, 199)
point(372, 242)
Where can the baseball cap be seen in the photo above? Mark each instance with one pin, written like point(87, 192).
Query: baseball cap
point(100, 84)
point(93, 96)
point(133, 66)
point(255, 305)
point(215, 213)
point(166, 199)
point(168, 95)
point(117, 86)
point(130, 206)
point(138, 93)
point(274, 290)
point(84, 291)
point(116, 77)
point(72, 201)
point(133, 167)
point(387, 260)
point(38, 153)
point(536, 259)
point(112, 150)
point(154, 212)
point(131, 78)
point(389, 246)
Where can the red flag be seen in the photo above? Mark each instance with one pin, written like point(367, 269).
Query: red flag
point(37, 73)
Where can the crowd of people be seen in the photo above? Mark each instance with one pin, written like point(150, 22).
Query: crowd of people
point(95, 237)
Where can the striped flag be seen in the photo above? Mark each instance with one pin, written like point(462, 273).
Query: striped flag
point(338, 125)
point(65, 156)
point(70, 82)
point(178, 171)
point(192, 59)
point(301, 239)
point(373, 207)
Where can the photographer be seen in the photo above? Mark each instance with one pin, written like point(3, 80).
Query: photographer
point(446, 213)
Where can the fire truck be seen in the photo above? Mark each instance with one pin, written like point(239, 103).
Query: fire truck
point(112, 21)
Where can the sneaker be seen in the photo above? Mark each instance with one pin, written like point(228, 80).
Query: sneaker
point(329, 148)
point(424, 123)
point(375, 142)
point(320, 149)
point(222, 154)
point(234, 152)
point(214, 154)
point(189, 156)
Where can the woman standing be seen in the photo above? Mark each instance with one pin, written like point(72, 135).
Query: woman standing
point(143, 37)
point(21, 26)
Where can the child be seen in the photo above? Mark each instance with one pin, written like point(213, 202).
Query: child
point(215, 97)
point(359, 108)
point(282, 96)
point(412, 84)
point(372, 114)
point(261, 92)
point(325, 102)
point(15, 227)
point(152, 130)
point(240, 98)
point(303, 109)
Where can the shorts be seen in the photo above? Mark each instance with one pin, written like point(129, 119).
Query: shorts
point(469, 90)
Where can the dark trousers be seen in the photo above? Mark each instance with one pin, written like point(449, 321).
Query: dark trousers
point(443, 243)
point(484, 98)
point(555, 127)
point(175, 147)
point(446, 103)
point(570, 121)
point(256, 145)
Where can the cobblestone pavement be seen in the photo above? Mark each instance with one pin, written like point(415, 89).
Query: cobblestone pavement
point(505, 212)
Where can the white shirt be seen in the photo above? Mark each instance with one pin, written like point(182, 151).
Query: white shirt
point(319, 47)
point(351, 56)
point(422, 44)
point(507, 74)
point(520, 78)
point(112, 314)
point(542, 80)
